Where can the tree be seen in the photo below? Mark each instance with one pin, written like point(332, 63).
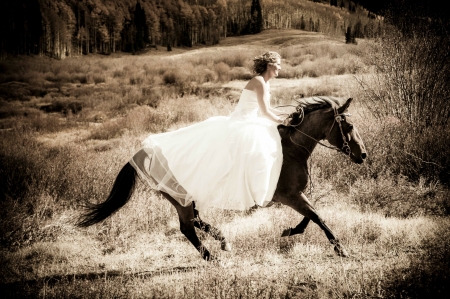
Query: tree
point(21, 27)
point(317, 26)
point(302, 23)
point(141, 29)
point(350, 36)
point(256, 21)
point(358, 30)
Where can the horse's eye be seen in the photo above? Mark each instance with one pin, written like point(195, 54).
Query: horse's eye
point(350, 126)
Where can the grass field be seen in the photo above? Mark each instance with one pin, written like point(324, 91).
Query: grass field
point(67, 127)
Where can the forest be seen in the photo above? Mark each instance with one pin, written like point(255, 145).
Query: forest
point(65, 28)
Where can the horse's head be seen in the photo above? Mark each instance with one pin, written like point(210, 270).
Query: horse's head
point(318, 118)
point(345, 136)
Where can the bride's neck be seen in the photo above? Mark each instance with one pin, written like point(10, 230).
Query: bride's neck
point(266, 77)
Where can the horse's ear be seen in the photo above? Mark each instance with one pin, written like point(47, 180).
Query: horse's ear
point(345, 106)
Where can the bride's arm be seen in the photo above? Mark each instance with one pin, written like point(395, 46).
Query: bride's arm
point(263, 97)
point(278, 111)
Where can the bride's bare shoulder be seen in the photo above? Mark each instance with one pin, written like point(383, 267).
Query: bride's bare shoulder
point(255, 83)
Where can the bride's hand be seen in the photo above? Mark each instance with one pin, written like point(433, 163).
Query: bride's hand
point(286, 121)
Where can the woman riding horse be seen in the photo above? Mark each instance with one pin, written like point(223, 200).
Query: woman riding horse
point(251, 157)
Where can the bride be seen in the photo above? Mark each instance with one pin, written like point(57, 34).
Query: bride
point(224, 162)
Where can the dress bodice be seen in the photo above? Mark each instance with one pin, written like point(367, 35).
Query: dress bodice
point(247, 105)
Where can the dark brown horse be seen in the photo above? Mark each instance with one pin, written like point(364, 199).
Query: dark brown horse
point(314, 119)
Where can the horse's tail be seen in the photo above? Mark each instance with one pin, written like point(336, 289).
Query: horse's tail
point(120, 194)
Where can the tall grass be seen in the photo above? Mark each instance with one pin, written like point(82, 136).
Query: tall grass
point(55, 160)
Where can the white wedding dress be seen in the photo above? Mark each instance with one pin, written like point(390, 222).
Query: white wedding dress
point(224, 162)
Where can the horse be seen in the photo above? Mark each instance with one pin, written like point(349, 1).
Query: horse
point(314, 119)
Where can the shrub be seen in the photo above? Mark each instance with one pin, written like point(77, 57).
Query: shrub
point(108, 130)
point(411, 77)
point(64, 77)
point(46, 123)
point(209, 76)
point(119, 74)
point(144, 119)
point(235, 60)
point(240, 73)
point(99, 78)
point(179, 81)
point(202, 74)
point(93, 77)
point(63, 105)
point(137, 79)
point(49, 76)
point(78, 78)
point(173, 77)
point(411, 71)
point(396, 197)
point(395, 148)
point(151, 96)
point(12, 91)
point(223, 71)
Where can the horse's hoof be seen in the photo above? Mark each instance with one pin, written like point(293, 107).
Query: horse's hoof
point(224, 264)
point(286, 232)
point(210, 258)
point(252, 210)
point(221, 263)
point(225, 246)
point(341, 251)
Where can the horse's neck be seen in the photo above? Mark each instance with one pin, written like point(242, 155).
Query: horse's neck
point(313, 129)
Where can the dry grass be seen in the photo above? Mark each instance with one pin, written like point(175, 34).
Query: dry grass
point(57, 158)
point(145, 255)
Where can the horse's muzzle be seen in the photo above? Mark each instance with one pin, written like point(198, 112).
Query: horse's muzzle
point(358, 159)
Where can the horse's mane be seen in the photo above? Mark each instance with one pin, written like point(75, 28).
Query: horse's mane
point(310, 104)
point(320, 102)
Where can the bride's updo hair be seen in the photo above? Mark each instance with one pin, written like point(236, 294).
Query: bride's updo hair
point(260, 62)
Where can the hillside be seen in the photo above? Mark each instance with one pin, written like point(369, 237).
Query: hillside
point(65, 28)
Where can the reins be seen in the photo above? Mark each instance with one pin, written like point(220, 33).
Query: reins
point(337, 118)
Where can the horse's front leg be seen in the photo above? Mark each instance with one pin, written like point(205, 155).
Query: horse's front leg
point(211, 230)
point(299, 229)
point(301, 204)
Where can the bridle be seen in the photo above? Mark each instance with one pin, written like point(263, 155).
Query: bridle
point(338, 118)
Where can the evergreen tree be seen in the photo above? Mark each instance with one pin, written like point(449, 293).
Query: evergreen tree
point(358, 30)
point(350, 36)
point(141, 29)
point(21, 27)
point(256, 21)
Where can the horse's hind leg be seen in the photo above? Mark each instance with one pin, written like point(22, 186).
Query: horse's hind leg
point(211, 230)
point(186, 217)
point(301, 204)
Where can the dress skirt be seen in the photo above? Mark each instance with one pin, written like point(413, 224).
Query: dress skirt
point(223, 162)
